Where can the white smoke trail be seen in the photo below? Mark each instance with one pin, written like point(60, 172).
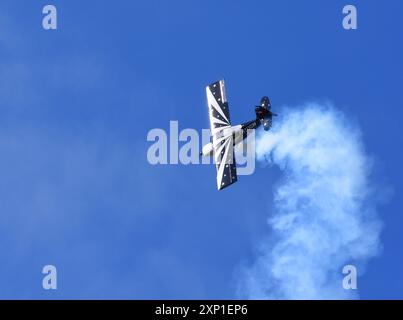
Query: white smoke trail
point(324, 217)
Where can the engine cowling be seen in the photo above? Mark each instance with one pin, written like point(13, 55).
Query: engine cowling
point(207, 150)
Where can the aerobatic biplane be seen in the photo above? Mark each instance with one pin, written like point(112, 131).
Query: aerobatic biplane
point(225, 136)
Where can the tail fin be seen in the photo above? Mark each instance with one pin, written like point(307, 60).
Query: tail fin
point(265, 103)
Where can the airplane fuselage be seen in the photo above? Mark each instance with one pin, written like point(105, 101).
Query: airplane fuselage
point(239, 133)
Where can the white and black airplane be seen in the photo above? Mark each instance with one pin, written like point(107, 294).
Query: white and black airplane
point(224, 136)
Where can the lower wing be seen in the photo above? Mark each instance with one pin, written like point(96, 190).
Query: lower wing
point(222, 136)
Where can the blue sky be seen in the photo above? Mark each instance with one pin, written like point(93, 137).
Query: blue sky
point(76, 104)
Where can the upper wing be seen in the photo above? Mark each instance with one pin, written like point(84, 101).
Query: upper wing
point(222, 135)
